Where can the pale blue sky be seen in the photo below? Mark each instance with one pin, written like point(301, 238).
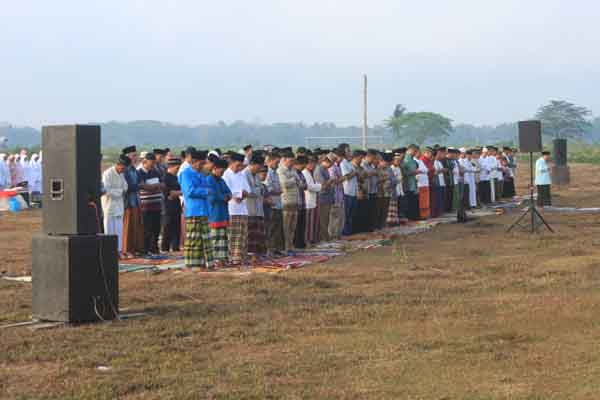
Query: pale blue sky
point(202, 61)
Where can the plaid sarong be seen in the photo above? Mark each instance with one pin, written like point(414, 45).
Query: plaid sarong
point(238, 238)
point(197, 250)
point(392, 215)
point(218, 237)
point(256, 235)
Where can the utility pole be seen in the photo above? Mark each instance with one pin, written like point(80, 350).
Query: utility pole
point(365, 127)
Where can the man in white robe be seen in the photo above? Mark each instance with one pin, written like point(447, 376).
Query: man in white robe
point(4, 173)
point(113, 201)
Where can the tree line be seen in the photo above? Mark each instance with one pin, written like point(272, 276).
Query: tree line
point(559, 119)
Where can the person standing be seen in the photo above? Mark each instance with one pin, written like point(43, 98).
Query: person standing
point(326, 196)
point(371, 176)
point(336, 215)
point(397, 202)
point(485, 184)
point(238, 210)
point(150, 202)
point(350, 177)
point(218, 218)
point(254, 202)
point(171, 240)
point(289, 198)
point(275, 235)
point(312, 205)
point(543, 181)
point(410, 171)
point(197, 250)
point(113, 200)
point(300, 234)
point(384, 189)
point(423, 187)
point(438, 185)
point(133, 226)
point(4, 173)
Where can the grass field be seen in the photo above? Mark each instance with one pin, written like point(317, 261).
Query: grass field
point(460, 312)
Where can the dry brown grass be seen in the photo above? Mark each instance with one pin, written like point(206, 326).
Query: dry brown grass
point(461, 312)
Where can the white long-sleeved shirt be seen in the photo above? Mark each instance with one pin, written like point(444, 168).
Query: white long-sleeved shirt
point(398, 175)
point(237, 183)
point(115, 185)
point(439, 173)
point(422, 176)
point(312, 190)
point(486, 169)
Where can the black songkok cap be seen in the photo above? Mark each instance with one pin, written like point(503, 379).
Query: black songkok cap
point(236, 157)
point(257, 159)
point(173, 161)
point(387, 157)
point(130, 149)
point(357, 153)
point(287, 154)
point(150, 157)
point(301, 160)
point(124, 160)
point(220, 163)
point(190, 150)
point(199, 155)
point(159, 152)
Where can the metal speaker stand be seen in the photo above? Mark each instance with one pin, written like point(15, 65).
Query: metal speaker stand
point(536, 219)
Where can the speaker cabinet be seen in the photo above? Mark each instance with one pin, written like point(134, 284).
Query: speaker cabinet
point(530, 136)
point(559, 151)
point(75, 277)
point(71, 179)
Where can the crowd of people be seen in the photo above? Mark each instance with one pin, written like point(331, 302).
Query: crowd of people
point(226, 208)
point(20, 171)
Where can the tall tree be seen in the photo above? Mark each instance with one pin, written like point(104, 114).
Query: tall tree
point(418, 126)
point(564, 120)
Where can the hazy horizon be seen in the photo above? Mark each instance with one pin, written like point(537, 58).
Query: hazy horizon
point(267, 61)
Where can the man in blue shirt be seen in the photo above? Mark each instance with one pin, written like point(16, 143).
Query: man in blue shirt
point(542, 180)
point(197, 250)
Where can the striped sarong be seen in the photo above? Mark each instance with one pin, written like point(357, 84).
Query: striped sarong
point(392, 215)
point(197, 250)
point(220, 245)
point(256, 235)
point(238, 238)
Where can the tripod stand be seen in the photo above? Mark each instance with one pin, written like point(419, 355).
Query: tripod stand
point(536, 218)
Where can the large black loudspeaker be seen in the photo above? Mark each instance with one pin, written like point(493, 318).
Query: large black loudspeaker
point(559, 151)
point(530, 136)
point(75, 277)
point(71, 179)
